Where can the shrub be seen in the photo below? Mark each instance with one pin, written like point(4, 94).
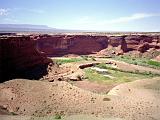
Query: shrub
point(93, 59)
point(57, 116)
point(135, 63)
point(84, 57)
point(12, 113)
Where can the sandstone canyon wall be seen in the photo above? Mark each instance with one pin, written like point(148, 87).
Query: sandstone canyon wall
point(59, 45)
point(71, 44)
point(19, 58)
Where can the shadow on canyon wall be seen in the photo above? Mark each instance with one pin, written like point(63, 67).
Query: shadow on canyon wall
point(19, 58)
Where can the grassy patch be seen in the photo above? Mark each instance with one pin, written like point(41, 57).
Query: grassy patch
point(154, 63)
point(67, 60)
point(61, 61)
point(139, 61)
point(117, 76)
point(92, 75)
point(108, 66)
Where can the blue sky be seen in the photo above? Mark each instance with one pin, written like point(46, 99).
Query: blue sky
point(100, 15)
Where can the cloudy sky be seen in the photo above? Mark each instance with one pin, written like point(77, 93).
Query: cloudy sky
point(100, 15)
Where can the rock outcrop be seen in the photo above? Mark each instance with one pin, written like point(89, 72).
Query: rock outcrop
point(71, 44)
point(59, 45)
point(19, 58)
point(144, 47)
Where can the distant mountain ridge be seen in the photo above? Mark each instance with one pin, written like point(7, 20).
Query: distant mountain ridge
point(33, 28)
point(26, 27)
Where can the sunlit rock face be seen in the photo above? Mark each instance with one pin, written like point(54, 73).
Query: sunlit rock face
point(59, 45)
point(72, 44)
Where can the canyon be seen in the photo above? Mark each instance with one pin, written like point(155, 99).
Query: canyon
point(21, 56)
point(46, 75)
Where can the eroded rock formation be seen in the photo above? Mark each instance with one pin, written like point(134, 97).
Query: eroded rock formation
point(71, 44)
point(19, 58)
point(59, 45)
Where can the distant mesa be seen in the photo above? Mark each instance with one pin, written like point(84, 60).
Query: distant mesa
point(26, 27)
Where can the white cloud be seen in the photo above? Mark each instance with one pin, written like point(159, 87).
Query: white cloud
point(133, 17)
point(90, 23)
point(10, 20)
point(37, 11)
point(3, 12)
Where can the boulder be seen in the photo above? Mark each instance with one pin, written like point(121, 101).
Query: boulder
point(143, 48)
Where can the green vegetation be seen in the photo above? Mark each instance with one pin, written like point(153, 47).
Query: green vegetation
point(61, 61)
point(94, 75)
point(114, 75)
point(139, 61)
point(85, 57)
point(57, 116)
point(93, 58)
point(67, 60)
point(12, 113)
point(154, 63)
point(108, 66)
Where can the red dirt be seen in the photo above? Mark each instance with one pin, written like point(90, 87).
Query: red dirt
point(94, 87)
point(138, 100)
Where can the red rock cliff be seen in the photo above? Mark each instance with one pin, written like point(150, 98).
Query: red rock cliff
point(20, 58)
point(71, 44)
point(58, 45)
